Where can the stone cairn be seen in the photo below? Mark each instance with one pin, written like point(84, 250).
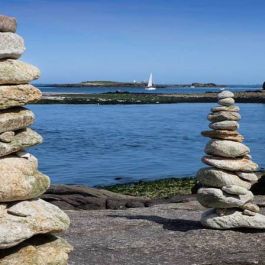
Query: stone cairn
point(25, 220)
point(227, 182)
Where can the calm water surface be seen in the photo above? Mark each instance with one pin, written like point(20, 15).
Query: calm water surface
point(90, 144)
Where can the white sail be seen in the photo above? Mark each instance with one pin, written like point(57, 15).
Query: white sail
point(150, 82)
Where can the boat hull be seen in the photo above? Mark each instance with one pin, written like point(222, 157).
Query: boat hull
point(150, 88)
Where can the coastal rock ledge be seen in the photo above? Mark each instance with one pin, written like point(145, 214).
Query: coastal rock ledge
point(161, 234)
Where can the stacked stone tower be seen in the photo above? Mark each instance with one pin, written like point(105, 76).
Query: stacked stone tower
point(24, 218)
point(227, 182)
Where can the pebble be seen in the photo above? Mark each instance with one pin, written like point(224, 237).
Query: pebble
point(226, 102)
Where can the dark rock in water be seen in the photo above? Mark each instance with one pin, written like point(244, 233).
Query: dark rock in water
point(74, 197)
point(204, 85)
point(118, 178)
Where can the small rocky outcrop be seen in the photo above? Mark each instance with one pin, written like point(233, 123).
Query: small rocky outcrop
point(23, 214)
point(225, 185)
point(76, 197)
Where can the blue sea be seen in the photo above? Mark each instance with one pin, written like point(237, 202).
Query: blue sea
point(107, 144)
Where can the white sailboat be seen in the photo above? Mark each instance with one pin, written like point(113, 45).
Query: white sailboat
point(150, 85)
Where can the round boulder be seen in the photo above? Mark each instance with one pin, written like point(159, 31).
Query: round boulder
point(224, 125)
point(224, 148)
point(226, 102)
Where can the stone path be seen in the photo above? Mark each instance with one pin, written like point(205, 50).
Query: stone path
point(161, 234)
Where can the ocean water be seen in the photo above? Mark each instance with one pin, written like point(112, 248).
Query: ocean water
point(107, 144)
point(171, 90)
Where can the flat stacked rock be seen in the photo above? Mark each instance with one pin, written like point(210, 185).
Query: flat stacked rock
point(22, 214)
point(231, 172)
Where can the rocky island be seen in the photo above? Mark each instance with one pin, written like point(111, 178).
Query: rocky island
point(145, 98)
point(118, 84)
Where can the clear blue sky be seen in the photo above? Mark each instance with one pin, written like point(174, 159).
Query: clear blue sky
point(180, 41)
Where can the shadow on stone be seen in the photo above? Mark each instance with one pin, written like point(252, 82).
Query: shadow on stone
point(38, 250)
point(248, 230)
point(181, 225)
point(34, 241)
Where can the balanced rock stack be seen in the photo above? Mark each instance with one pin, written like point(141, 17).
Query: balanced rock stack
point(22, 214)
point(227, 182)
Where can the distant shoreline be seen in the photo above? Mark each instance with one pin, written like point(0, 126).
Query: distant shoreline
point(100, 84)
point(145, 98)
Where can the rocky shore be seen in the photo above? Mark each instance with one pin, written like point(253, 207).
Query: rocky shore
point(163, 234)
point(131, 195)
point(145, 98)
